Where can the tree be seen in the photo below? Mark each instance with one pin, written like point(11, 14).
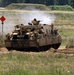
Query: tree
point(21, 1)
point(28, 1)
point(5, 3)
point(69, 2)
point(56, 2)
point(72, 3)
point(46, 2)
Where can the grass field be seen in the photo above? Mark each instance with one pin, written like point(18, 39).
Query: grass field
point(42, 63)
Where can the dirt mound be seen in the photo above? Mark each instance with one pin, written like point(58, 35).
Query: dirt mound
point(3, 49)
point(67, 51)
point(23, 6)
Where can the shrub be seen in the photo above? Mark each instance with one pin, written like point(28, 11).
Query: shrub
point(63, 8)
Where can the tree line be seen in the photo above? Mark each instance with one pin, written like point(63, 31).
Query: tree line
point(45, 2)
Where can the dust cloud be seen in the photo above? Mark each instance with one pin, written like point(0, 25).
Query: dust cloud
point(44, 17)
point(14, 18)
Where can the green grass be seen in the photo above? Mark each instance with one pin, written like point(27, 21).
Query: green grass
point(64, 18)
point(65, 24)
point(62, 8)
point(43, 63)
point(67, 33)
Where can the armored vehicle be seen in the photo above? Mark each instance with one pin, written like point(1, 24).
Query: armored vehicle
point(33, 37)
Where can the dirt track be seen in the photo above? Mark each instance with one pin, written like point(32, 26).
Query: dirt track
point(68, 51)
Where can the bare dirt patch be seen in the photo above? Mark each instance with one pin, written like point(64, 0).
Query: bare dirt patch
point(62, 49)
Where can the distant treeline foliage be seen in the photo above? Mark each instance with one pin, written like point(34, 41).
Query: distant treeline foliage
point(45, 2)
point(59, 7)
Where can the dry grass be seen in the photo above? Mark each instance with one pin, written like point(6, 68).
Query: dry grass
point(43, 63)
point(65, 24)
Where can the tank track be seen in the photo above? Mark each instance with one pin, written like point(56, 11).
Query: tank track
point(36, 49)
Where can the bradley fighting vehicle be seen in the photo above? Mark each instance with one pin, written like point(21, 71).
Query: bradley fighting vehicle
point(33, 37)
